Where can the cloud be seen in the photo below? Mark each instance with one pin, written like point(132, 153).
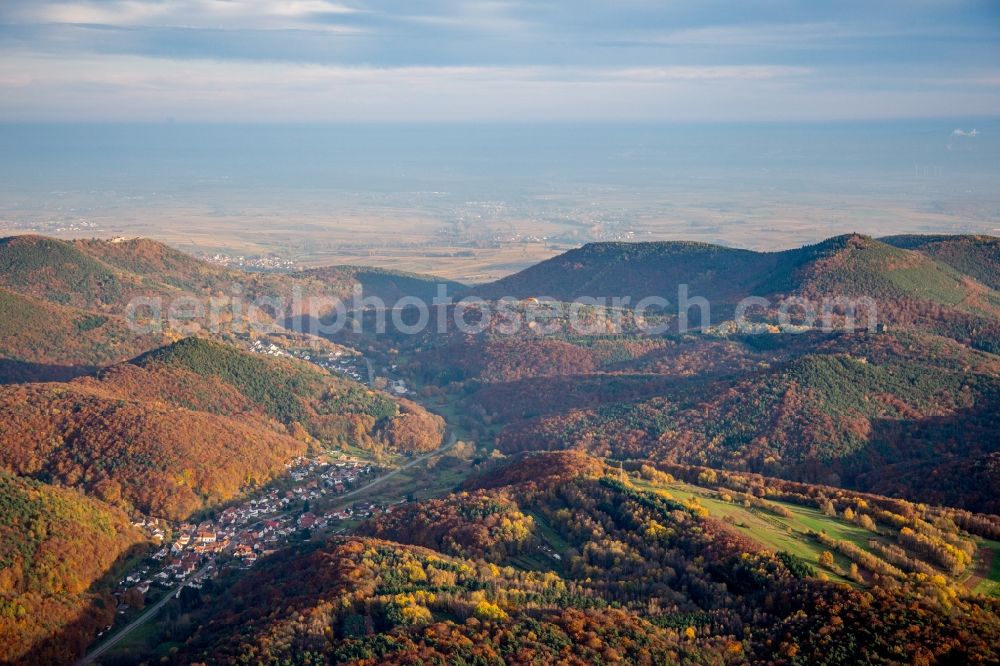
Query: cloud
point(962, 132)
point(703, 73)
point(500, 59)
point(125, 87)
point(260, 14)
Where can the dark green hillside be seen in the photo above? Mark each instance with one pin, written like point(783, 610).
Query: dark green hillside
point(861, 266)
point(277, 385)
point(975, 256)
point(59, 272)
point(639, 270)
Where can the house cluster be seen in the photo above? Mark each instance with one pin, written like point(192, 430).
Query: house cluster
point(313, 478)
point(254, 263)
point(337, 361)
point(152, 527)
point(249, 530)
point(344, 364)
point(269, 348)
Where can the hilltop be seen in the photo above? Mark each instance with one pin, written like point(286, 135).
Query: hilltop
point(911, 287)
point(65, 302)
point(852, 264)
point(193, 424)
point(638, 270)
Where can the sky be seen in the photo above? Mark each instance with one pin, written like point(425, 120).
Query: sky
point(444, 61)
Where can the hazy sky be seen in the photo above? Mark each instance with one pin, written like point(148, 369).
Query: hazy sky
point(498, 60)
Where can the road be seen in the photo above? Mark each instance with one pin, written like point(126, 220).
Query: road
point(137, 622)
point(416, 461)
point(150, 612)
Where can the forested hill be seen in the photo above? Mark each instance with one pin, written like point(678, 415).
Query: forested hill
point(942, 286)
point(852, 265)
point(976, 256)
point(63, 304)
point(193, 423)
point(55, 543)
point(577, 563)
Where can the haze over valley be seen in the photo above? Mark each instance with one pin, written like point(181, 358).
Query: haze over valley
point(499, 332)
point(474, 202)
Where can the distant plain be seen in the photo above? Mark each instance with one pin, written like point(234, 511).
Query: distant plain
point(477, 203)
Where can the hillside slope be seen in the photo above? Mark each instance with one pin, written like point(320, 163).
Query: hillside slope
point(39, 333)
point(639, 270)
point(55, 544)
point(331, 409)
point(156, 458)
point(194, 423)
point(857, 414)
point(975, 256)
point(576, 566)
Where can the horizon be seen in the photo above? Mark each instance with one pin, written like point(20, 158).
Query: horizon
point(488, 331)
point(363, 131)
point(360, 60)
point(398, 195)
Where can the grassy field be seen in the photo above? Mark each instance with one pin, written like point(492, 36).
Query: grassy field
point(772, 531)
point(791, 534)
point(989, 584)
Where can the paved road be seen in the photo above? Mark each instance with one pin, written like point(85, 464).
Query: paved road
point(155, 608)
point(436, 452)
point(134, 624)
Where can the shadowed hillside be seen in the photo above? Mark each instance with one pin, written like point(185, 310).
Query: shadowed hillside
point(840, 411)
point(389, 285)
point(55, 544)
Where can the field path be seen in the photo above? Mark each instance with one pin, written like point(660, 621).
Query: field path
point(985, 556)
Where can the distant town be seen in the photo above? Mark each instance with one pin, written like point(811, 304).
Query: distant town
point(267, 262)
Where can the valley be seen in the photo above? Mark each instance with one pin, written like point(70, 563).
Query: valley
point(266, 491)
point(499, 333)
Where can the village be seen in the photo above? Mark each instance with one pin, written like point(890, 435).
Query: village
point(349, 364)
point(239, 535)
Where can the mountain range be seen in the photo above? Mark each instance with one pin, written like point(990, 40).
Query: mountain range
point(608, 506)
